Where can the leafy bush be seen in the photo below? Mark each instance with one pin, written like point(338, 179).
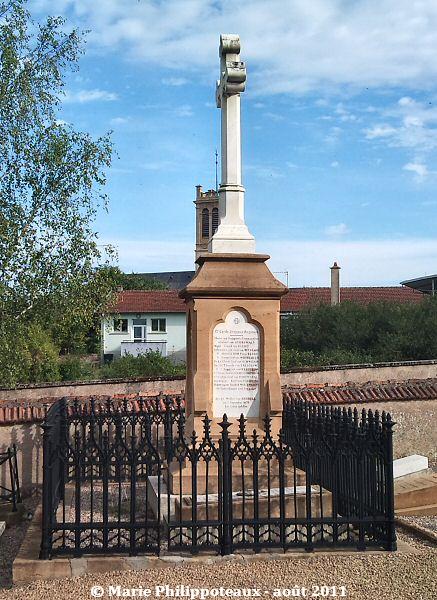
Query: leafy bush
point(30, 356)
point(293, 357)
point(149, 364)
point(73, 368)
point(352, 333)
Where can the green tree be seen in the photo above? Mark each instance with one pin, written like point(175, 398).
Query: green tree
point(51, 184)
point(133, 281)
point(353, 333)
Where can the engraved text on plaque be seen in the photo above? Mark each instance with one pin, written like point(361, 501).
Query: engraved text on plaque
point(236, 367)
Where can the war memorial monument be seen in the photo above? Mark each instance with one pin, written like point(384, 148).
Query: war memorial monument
point(233, 303)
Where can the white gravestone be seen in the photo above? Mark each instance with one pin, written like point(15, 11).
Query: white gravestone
point(236, 367)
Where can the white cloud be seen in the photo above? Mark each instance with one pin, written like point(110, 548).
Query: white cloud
point(334, 164)
point(333, 135)
point(413, 125)
point(380, 131)
point(343, 114)
point(362, 262)
point(385, 43)
point(82, 96)
point(419, 169)
point(174, 81)
point(337, 230)
point(155, 255)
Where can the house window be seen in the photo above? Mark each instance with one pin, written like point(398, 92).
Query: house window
point(159, 325)
point(139, 333)
point(215, 220)
point(120, 325)
point(139, 327)
point(205, 223)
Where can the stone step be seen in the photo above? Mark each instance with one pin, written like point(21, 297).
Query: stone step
point(418, 511)
point(268, 505)
point(417, 491)
point(178, 478)
point(410, 465)
point(172, 506)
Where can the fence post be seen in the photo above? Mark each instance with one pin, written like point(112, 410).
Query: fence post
point(168, 430)
point(79, 448)
point(226, 541)
point(46, 539)
point(11, 474)
point(63, 461)
point(17, 477)
point(133, 493)
point(308, 454)
point(391, 531)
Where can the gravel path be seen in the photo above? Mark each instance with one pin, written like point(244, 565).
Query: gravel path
point(383, 577)
point(427, 522)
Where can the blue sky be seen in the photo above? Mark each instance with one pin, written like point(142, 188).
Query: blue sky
point(339, 128)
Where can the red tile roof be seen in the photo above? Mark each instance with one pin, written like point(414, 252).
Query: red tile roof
point(355, 393)
point(298, 298)
point(132, 301)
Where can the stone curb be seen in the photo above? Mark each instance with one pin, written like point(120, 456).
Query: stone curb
point(422, 532)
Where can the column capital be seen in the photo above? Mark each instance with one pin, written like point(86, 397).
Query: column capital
point(232, 70)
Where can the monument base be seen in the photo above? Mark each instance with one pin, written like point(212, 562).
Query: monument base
point(233, 329)
point(180, 477)
point(173, 507)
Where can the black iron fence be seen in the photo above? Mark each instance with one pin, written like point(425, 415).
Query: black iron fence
point(351, 455)
point(127, 477)
point(10, 493)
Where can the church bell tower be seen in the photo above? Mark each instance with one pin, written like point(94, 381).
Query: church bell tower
point(207, 218)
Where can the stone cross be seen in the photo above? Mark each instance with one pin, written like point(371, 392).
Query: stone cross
point(232, 235)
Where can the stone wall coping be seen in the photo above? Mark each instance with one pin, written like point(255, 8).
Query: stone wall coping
point(376, 365)
point(50, 384)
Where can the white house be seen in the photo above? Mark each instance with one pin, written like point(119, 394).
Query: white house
point(156, 320)
point(145, 320)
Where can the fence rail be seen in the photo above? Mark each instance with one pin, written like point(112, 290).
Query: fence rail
point(125, 476)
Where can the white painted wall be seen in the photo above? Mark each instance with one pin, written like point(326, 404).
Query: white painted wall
point(175, 336)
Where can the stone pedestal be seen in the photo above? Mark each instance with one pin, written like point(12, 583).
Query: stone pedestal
point(233, 346)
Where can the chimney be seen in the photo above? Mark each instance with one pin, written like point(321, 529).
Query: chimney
point(335, 284)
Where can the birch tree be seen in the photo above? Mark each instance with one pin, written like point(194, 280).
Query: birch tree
point(52, 179)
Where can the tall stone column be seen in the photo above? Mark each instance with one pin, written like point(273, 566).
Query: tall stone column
point(233, 302)
point(232, 234)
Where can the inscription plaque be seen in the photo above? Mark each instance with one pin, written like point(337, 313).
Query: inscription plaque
point(236, 358)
